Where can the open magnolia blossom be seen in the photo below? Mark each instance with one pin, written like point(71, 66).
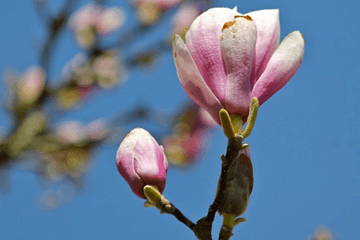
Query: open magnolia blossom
point(229, 58)
point(141, 161)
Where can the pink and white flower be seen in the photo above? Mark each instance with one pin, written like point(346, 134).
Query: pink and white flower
point(229, 58)
point(141, 161)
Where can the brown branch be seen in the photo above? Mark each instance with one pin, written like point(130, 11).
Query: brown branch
point(225, 233)
point(204, 225)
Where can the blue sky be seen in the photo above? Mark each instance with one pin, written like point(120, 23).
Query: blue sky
point(305, 146)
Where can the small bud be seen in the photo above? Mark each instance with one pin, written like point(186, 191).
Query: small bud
point(141, 161)
point(239, 184)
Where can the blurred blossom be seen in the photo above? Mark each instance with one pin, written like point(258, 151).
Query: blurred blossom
point(30, 127)
point(31, 85)
point(97, 130)
point(49, 200)
point(54, 171)
point(322, 233)
point(70, 162)
point(73, 68)
point(107, 69)
point(54, 198)
point(110, 20)
point(79, 70)
point(93, 19)
point(85, 91)
point(190, 136)
point(68, 98)
point(84, 77)
point(185, 15)
point(77, 161)
point(149, 11)
point(71, 132)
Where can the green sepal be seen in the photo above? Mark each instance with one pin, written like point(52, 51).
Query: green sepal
point(254, 107)
point(226, 123)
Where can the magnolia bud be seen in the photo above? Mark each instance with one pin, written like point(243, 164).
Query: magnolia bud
point(239, 184)
point(141, 161)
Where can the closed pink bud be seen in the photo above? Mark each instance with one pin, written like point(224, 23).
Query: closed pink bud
point(229, 58)
point(141, 161)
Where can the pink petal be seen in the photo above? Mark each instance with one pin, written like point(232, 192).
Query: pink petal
point(237, 44)
point(282, 66)
point(125, 164)
point(268, 37)
point(149, 162)
point(203, 42)
point(191, 80)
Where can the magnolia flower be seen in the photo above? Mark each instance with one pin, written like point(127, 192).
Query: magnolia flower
point(230, 58)
point(239, 185)
point(141, 161)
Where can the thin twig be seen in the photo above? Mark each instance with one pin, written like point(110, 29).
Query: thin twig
point(182, 218)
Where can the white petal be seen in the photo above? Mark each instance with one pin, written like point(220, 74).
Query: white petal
point(237, 45)
point(282, 66)
point(268, 37)
point(203, 42)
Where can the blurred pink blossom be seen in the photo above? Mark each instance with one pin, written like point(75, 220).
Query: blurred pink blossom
point(71, 132)
point(96, 130)
point(185, 15)
point(93, 18)
point(190, 136)
point(31, 85)
point(85, 92)
point(109, 70)
point(110, 20)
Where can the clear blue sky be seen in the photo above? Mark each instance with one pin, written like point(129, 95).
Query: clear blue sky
point(305, 146)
